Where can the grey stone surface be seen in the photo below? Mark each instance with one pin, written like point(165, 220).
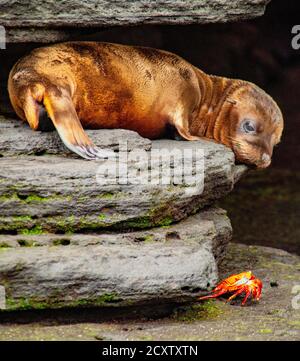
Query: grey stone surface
point(28, 17)
point(62, 193)
point(157, 266)
point(17, 138)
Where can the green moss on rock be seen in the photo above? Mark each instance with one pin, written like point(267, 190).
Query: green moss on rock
point(148, 238)
point(31, 225)
point(32, 231)
point(266, 330)
point(139, 223)
point(206, 310)
point(15, 196)
point(22, 218)
point(107, 195)
point(102, 217)
point(66, 225)
point(25, 304)
point(144, 223)
point(36, 303)
point(4, 245)
point(165, 221)
point(9, 197)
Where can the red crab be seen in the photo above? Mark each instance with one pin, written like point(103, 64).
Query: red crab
point(239, 283)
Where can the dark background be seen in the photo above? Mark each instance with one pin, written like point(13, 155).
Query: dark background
point(265, 206)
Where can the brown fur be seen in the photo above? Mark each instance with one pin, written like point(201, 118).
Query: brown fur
point(103, 85)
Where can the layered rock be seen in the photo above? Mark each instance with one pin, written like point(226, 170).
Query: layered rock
point(159, 265)
point(83, 237)
point(60, 193)
point(59, 20)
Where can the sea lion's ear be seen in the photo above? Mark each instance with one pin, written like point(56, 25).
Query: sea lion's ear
point(61, 110)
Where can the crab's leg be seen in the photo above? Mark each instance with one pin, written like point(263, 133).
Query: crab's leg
point(259, 292)
point(248, 293)
point(214, 295)
point(256, 293)
point(236, 294)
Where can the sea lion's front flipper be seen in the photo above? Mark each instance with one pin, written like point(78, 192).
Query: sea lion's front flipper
point(186, 134)
point(181, 123)
point(62, 112)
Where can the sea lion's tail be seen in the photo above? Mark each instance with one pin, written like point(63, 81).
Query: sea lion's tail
point(30, 102)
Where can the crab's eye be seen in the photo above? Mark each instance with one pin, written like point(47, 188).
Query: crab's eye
point(248, 126)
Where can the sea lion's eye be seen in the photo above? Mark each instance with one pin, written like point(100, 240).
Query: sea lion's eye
point(248, 126)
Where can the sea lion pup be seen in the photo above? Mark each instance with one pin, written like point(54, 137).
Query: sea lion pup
point(103, 85)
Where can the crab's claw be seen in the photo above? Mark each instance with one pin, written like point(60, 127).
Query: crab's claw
point(256, 286)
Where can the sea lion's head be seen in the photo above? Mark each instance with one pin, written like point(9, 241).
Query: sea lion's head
point(256, 125)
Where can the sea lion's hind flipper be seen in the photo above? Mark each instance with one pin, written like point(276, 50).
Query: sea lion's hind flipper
point(62, 112)
point(37, 116)
point(31, 109)
point(45, 123)
point(36, 113)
